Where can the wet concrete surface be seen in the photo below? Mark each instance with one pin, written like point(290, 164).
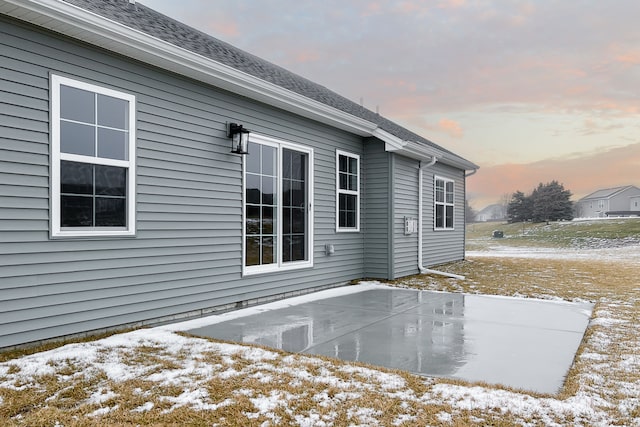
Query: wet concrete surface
point(522, 343)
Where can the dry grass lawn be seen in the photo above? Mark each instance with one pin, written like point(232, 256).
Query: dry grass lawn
point(192, 381)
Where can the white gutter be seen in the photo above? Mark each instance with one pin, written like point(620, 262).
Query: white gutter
point(421, 268)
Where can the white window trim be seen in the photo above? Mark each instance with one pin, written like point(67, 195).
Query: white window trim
point(279, 266)
point(351, 192)
point(445, 204)
point(57, 156)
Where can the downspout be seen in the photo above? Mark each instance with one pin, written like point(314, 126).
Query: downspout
point(421, 268)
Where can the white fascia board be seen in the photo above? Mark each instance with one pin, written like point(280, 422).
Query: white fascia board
point(87, 26)
point(423, 152)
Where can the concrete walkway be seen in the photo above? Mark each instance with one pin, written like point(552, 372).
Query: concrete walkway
point(522, 343)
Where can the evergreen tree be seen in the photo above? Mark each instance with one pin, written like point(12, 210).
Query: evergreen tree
point(551, 202)
point(519, 208)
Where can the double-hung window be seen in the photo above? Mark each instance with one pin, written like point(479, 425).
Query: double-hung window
point(443, 203)
point(347, 191)
point(278, 219)
point(92, 160)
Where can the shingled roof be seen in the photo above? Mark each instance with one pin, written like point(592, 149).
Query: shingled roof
point(606, 193)
point(139, 17)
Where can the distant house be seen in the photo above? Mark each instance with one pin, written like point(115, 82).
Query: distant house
point(618, 201)
point(121, 202)
point(495, 212)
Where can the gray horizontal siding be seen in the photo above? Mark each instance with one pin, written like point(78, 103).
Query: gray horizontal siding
point(405, 199)
point(443, 246)
point(186, 255)
point(375, 223)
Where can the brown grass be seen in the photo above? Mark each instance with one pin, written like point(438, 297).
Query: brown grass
point(326, 390)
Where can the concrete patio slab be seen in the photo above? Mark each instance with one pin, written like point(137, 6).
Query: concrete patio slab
point(522, 343)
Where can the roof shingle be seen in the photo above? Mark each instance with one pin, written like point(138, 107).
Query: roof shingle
point(153, 23)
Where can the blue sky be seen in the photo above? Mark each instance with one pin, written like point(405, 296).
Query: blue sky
point(532, 91)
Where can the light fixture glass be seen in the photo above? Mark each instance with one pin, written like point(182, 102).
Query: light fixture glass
point(239, 138)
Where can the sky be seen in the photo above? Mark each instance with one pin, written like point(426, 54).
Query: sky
point(531, 91)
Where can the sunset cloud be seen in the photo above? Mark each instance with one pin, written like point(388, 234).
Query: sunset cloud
point(530, 90)
point(451, 127)
point(581, 175)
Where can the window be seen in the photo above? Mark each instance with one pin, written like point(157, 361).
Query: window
point(92, 160)
point(443, 204)
point(347, 191)
point(278, 220)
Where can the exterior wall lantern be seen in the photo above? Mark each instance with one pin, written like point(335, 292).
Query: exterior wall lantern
point(239, 138)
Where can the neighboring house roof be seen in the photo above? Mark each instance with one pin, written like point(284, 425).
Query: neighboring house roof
point(495, 211)
point(607, 193)
point(142, 33)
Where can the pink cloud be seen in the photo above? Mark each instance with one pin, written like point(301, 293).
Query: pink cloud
point(581, 175)
point(307, 56)
point(450, 127)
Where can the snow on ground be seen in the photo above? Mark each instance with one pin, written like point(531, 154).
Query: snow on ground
point(628, 253)
point(188, 369)
point(192, 374)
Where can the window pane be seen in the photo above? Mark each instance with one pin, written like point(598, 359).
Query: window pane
point(76, 211)
point(293, 164)
point(112, 144)
point(351, 219)
point(286, 164)
point(268, 160)
point(439, 216)
point(298, 220)
point(76, 178)
point(77, 139)
point(449, 217)
point(353, 165)
point(253, 189)
point(297, 248)
point(449, 197)
point(297, 194)
point(253, 220)
point(351, 202)
point(111, 181)
point(253, 158)
point(252, 251)
point(268, 190)
point(286, 220)
point(113, 112)
point(343, 163)
point(449, 191)
point(111, 212)
point(268, 250)
point(267, 220)
point(286, 248)
point(353, 182)
point(77, 104)
point(344, 181)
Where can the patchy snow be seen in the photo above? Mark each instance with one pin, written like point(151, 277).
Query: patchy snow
point(188, 370)
point(626, 252)
point(108, 355)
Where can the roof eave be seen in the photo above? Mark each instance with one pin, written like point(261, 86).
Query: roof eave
point(422, 152)
point(78, 23)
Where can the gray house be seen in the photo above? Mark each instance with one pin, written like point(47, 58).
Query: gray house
point(618, 201)
point(121, 202)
